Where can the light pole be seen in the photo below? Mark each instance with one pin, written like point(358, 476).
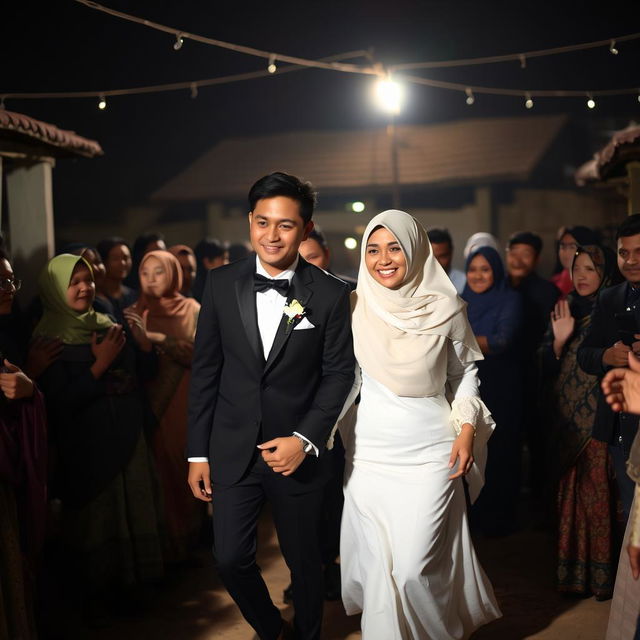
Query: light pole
point(390, 97)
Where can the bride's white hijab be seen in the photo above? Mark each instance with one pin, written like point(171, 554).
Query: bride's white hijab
point(400, 334)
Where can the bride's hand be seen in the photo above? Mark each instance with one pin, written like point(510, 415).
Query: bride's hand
point(462, 451)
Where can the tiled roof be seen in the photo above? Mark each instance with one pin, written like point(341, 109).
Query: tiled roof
point(623, 147)
point(464, 152)
point(18, 126)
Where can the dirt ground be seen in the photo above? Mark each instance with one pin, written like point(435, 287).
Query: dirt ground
point(193, 605)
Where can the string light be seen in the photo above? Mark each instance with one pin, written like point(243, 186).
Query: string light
point(177, 45)
point(638, 95)
point(591, 103)
point(389, 95)
point(272, 64)
point(470, 97)
point(194, 90)
point(528, 100)
point(102, 103)
point(523, 61)
point(612, 48)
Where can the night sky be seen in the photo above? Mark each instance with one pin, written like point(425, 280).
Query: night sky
point(63, 45)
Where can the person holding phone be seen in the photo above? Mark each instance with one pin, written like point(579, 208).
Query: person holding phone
point(604, 348)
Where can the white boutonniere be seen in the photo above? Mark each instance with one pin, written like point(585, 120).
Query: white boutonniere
point(294, 311)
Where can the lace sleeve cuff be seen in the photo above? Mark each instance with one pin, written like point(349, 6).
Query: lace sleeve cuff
point(470, 410)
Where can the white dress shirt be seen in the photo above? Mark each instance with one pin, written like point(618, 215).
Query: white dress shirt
point(270, 308)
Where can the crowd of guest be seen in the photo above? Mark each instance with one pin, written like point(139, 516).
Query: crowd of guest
point(93, 409)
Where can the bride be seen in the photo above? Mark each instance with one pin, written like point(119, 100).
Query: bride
point(408, 562)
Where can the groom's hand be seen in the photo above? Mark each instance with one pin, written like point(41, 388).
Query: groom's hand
point(200, 480)
point(283, 455)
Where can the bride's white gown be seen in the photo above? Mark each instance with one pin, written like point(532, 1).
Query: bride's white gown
point(407, 559)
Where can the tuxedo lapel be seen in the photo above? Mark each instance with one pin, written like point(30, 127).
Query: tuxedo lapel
point(247, 308)
point(301, 292)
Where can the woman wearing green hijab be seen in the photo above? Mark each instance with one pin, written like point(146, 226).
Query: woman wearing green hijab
point(97, 411)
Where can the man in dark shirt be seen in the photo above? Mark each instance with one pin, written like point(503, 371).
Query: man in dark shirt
point(538, 298)
point(606, 346)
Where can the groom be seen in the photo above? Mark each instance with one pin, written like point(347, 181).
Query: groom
point(273, 364)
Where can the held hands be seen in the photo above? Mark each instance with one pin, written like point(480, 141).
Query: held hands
point(15, 384)
point(562, 324)
point(200, 481)
point(621, 387)
point(462, 451)
point(42, 353)
point(283, 455)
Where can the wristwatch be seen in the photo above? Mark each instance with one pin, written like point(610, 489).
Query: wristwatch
point(307, 447)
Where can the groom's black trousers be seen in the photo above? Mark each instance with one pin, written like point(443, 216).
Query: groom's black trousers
point(295, 508)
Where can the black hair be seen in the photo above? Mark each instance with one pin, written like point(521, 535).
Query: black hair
point(104, 246)
point(209, 248)
point(630, 227)
point(438, 236)
point(526, 237)
point(319, 237)
point(283, 184)
point(237, 251)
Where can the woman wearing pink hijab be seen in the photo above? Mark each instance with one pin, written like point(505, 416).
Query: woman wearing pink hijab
point(169, 319)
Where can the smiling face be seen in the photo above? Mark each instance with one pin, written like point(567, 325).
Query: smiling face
point(521, 261)
point(385, 259)
point(94, 259)
point(82, 289)
point(7, 292)
point(154, 279)
point(276, 229)
point(586, 278)
point(629, 258)
point(118, 262)
point(480, 275)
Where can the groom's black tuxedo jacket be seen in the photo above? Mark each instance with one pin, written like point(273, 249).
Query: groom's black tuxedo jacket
point(238, 400)
point(602, 334)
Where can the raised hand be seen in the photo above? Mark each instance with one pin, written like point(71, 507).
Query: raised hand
point(138, 327)
point(562, 324)
point(621, 387)
point(14, 383)
point(106, 351)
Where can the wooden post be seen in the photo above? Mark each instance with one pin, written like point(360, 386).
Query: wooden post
point(30, 204)
point(633, 173)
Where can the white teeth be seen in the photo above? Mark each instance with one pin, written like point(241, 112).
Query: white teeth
point(386, 272)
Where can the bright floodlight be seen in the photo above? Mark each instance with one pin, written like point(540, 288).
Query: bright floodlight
point(350, 243)
point(357, 207)
point(390, 95)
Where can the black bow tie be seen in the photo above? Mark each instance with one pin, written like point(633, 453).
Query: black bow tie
point(260, 283)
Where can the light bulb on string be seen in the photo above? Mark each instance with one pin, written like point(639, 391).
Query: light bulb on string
point(389, 94)
point(591, 103)
point(177, 45)
point(523, 61)
point(528, 100)
point(638, 95)
point(272, 64)
point(470, 97)
point(194, 90)
point(102, 103)
point(613, 49)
